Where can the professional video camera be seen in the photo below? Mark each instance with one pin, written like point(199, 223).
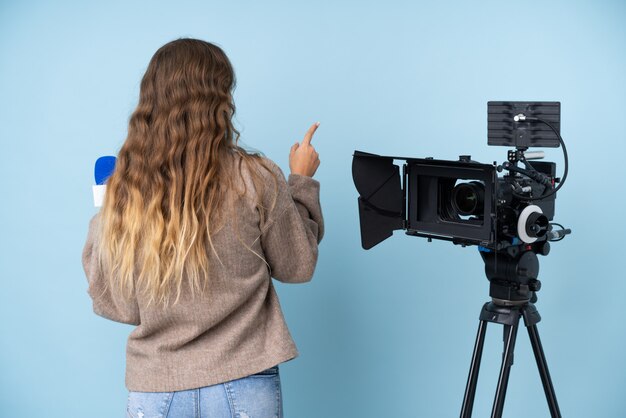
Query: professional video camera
point(509, 218)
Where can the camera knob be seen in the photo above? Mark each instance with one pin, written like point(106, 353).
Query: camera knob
point(534, 285)
point(544, 248)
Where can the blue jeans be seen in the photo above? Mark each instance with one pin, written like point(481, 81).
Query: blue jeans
point(255, 396)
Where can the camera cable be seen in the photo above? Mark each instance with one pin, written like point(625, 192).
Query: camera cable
point(565, 158)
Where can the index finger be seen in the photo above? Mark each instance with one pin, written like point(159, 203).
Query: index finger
point(309, 134)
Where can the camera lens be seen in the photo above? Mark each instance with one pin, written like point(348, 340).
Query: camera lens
point(468, 198)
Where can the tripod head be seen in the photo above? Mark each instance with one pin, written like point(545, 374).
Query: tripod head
point(513, 271)
point(512, 274)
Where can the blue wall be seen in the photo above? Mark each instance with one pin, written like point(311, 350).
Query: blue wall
point(382, 333)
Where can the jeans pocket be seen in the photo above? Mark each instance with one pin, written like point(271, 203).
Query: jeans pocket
point(258, 395)
point(148, 404)
point(272, 371)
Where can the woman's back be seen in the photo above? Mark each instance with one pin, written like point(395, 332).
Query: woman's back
point(234, 327)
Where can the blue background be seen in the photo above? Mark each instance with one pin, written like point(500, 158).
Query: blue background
point(382, 333)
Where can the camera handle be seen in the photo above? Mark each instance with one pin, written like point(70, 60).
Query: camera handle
point(535, 175)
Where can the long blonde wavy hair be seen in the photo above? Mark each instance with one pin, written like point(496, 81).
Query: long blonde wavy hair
point(164, 199)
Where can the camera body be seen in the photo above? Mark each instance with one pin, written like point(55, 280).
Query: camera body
point(465, 201)
point(462, 201)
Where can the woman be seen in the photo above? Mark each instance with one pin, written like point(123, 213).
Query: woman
point(190, 233)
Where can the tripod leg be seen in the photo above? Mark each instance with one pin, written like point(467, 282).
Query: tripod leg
point(542, 365)
point(472, 379)
point(505, 370)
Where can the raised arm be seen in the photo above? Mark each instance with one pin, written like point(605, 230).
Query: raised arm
point(296, 226)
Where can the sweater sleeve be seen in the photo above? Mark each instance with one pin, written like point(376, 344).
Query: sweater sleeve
point(294, 229)
point(106, 303)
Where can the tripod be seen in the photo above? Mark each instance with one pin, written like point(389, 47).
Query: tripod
point(513, 283)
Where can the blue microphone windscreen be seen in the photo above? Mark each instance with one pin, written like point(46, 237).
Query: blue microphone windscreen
point(104, 168)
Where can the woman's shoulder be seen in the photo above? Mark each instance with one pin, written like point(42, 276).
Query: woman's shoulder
point(256, 164)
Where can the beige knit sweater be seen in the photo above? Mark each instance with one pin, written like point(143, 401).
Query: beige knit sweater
point(237, 327)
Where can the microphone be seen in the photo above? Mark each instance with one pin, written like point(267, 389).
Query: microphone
point(102, 171)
